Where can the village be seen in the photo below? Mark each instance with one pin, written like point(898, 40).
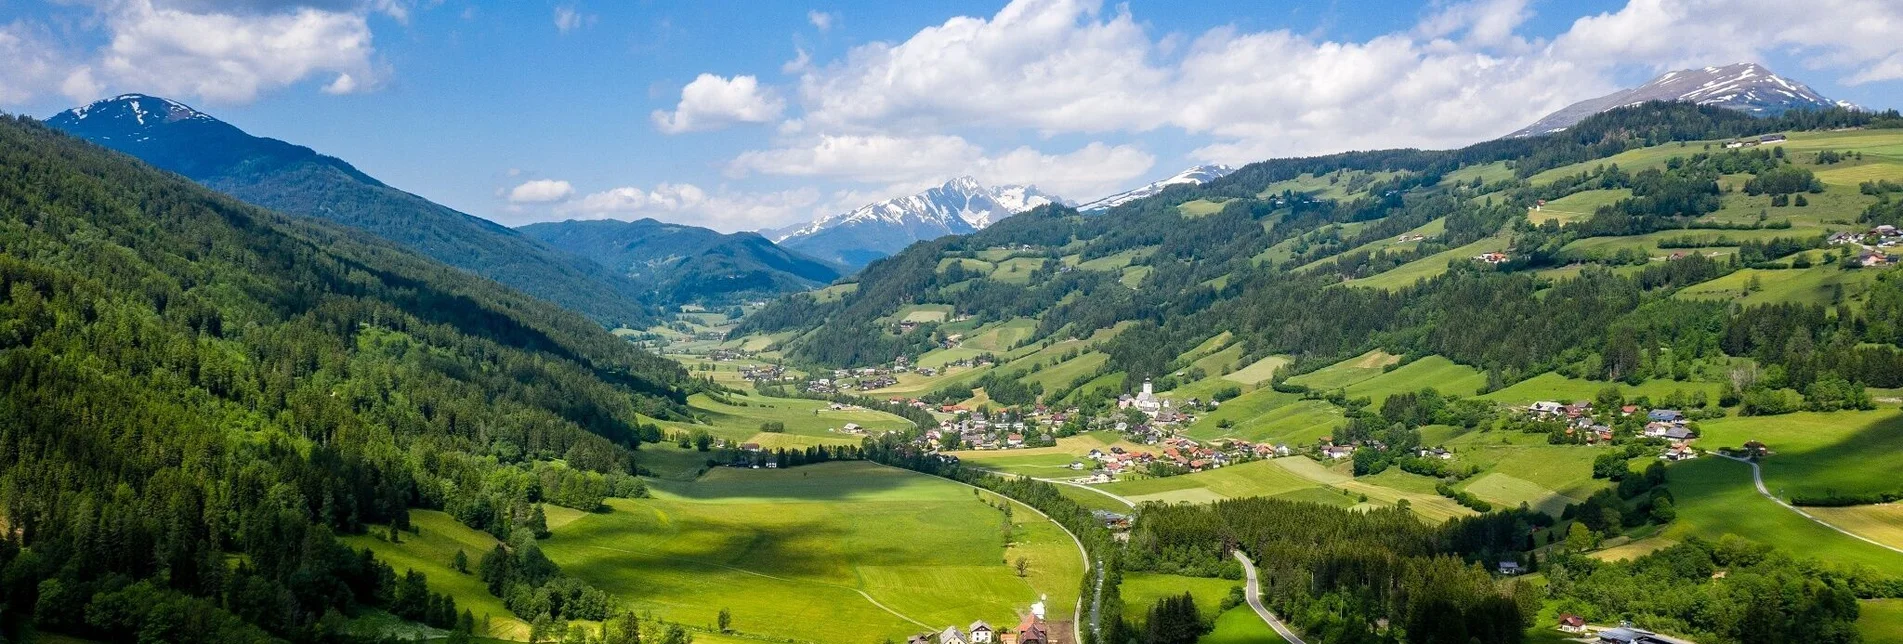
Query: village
point(1032, 629)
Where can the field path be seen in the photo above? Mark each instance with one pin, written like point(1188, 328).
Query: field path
point(756, 573)
point(1077, 619)
point(1254, 595)
point(1757, 477)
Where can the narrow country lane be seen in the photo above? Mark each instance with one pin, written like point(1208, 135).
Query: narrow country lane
point(1253, 592)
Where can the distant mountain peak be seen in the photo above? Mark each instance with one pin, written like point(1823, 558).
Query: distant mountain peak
point(959, 206)
point(1193, 176)
point(1746, 87)
point(141, 109)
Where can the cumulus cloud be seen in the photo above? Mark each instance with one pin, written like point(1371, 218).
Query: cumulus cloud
point(541, 191)
point(821, 20)
point(712, 102)
point(688, 203)
point(220, 51)
point(1462, 73)
point(905, 163)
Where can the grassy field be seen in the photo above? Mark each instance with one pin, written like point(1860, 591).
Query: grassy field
point(1117, 261)
point(1509, 491)
point(1269, 415)
point(1141, 590)
point(1240, 625)
point(1255, 478)
point(1048, 462)
point(742, 420)
point(1880, 621)
point(803, 554)
point(1820, 284)
point(1201, 207)
point(1429, 266)
point(1715, 498)
point(430, 552)
point(1881, 523)
point(1552, 386)
point(1578, 206)
point(1003, 336)
point(1818, 453)
point(1347, 372)
point(1259, 371)
point(1434, 372)
point(1430, 506)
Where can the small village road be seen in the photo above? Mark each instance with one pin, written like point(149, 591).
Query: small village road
point(1119, 498)
point(1253, 592)
point(1757, 477)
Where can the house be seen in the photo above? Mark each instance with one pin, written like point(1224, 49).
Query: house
point(1873, 259)
point(1679, 452)
point(751, 447)
point(1032, 629)
point(1771, 139)
point(921, 638)
point(1494, 258)
point(1664, 416)
point(1438, 452)
point(952, 635)
point(1679, 433)
point(1572, 623)
point(1510, 568)
point(1338, 451)
point(980, 632)
point(1014, 440)
point(1621, 636)
point(1546, 407)
point(1756, 449)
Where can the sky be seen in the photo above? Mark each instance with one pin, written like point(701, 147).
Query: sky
point(744, 115)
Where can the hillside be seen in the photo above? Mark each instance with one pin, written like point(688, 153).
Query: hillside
point(688, 264)
point(200, 393)
point(297, 180)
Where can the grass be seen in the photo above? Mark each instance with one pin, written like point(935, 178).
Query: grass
point(742, 420)
point(1201, 207)
point(1561, 469)
point(1240, 625)
point(1048, 462)
point(1714, 497)
point(925, 312)
point(1880, 621)
point(1578, 206)
point(1510, 491)
point(1141, 590)
point(789, 552)
point(1017, 270)
point(1632, 549)
point(1255, 478)
point(1003, 336)
point(430, 552)
point(1347, 372)
point(1433, 372)
point(1881, 523)
point(1258, 371)
point(1555, 387)
point(1823, 284)
point(1269, 415)
point(1817, 453)
point(1059, 376)
point(1133, 275)
point(1429, 266)
point(1117, 261)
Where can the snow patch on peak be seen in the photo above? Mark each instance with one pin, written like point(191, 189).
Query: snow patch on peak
point(1194, 176)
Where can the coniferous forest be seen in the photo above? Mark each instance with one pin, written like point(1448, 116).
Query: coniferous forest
point(197, 396)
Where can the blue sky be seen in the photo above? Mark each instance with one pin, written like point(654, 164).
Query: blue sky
point(745, 115)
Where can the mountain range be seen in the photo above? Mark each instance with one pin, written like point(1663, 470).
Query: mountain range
point(957, 207)
point(1194, 176)
point(1746, 87)
point(688, 263)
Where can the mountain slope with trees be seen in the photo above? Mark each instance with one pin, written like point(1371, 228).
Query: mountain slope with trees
point(196, 394)
point(294, 179)
point(688, 263)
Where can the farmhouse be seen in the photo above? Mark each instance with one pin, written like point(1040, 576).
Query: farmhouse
point(1572, 623)
point(1510, 568)
point(952, 635)
point(1338, 451)
point(980, 632)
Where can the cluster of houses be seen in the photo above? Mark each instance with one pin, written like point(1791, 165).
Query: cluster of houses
point(1031, 630)
point(1410, 238)
point(1667, 424)
point(1873, 242)
point(977, 430)
point(1495, 258)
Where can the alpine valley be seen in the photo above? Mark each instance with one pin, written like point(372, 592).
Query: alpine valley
point(1631, 374)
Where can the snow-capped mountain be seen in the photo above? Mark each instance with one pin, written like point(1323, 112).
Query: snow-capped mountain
point(132, 112)
point(869, 232)
point(1746, 87)
point(1197, 175)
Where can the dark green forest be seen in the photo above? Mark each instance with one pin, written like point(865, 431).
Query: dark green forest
point(197, 395)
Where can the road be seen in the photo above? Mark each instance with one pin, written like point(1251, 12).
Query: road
point(1757, 477)
point(1253, 592)
point(1118, 498)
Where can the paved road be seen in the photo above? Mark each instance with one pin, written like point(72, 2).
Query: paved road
point(1117, 497)
point(1253, 592)
point(1757, 477)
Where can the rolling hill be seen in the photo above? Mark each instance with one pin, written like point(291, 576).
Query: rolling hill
point(686, 264)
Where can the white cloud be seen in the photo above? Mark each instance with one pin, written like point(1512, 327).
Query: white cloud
point(688, 203)
point(33, 63)
point(1464, 73)
point(711, 102)
point(541, 191)
point(821, 20)
point(568, 19)
point(904, 164)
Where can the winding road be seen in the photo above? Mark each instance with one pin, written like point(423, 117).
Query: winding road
point(1757, 477)
point(1253, 592)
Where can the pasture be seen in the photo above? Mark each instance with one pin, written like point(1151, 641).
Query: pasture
point(1259, 371)
point(1269, 415)
point(1431, 372)
point(1882, 523)
point(1255, 478)
point(1714, 497)
point(1141, 590)
point(1555, 387)
point(1880, 621)
point(1346, 372)
point(825, 553)
point(1819, 453)
point(739, 416)
point(1240, 625)
point(1822, 284)
point(430, 551)
point(1431, 265)
point(1578, 206)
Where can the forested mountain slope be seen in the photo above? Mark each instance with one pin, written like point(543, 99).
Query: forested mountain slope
point(196, 394)
point(294, 179)
point(688, 263)
point(1325, 258)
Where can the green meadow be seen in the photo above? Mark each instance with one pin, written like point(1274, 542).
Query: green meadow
point(1433, 372)
point(837, 552)
point(1255, 478)
point(1715, 497)
point(430, 552)
point(1141, 590)
point(1346, 372)
point(1817, 453)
